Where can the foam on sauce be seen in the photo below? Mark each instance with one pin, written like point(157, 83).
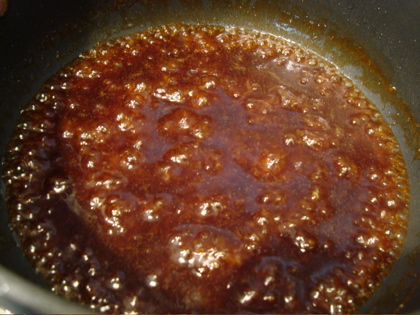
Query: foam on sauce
point(203, 169)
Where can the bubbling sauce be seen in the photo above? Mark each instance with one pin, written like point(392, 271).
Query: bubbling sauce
point(206, 169)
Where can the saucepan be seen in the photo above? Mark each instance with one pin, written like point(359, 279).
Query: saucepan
point(376, 43)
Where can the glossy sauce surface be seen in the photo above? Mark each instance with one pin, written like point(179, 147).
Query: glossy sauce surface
point(203, 169)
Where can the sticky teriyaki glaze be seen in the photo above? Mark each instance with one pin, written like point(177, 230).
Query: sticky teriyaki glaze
point(203, 169)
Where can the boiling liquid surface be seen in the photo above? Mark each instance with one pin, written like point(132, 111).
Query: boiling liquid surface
point(203, 169)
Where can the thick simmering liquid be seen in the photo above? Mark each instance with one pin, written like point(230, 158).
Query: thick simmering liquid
point(203, 169)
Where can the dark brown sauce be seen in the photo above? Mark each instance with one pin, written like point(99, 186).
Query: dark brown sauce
point(203, 169)
point(3, 7)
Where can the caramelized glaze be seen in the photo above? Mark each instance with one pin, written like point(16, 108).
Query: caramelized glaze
point(206, 169)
